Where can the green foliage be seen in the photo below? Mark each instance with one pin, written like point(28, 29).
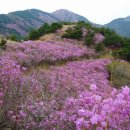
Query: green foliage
point(99, 47)
point(104, 31)
point(76, 32)
point(124, 52)
point(73, 34)
point(45, 29)
point(67, 23)
point(119, 73)
point(55, 26)
point(33, 35)
point(13, 37)
point(120, 45)
point(88, 26)
point(3, 42)
point(113, 40)
point(80, 24)
point(89, 39)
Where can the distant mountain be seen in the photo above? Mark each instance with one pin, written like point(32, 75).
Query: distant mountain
point(68, 16)
point(21, 22)
point(121, 26)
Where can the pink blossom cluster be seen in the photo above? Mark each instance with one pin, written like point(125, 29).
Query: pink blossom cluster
point(91, 111)
point(14, 87)
point(74, 96)
point(58, 85)
point(11, 80)
point(10, 72)
point(87, 111)
point(78, 75)
point(98, 38)
point(32, 53)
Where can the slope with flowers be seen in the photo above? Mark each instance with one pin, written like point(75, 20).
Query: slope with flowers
point(72, 93)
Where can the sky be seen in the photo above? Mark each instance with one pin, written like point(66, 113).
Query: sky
point(97, 11)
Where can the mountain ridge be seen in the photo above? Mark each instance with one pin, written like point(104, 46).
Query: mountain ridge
point(21, 22)
point(120, 25)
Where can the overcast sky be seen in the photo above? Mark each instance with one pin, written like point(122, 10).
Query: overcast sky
point(98, 11)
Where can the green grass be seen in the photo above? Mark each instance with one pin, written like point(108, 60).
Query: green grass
point(119, 74)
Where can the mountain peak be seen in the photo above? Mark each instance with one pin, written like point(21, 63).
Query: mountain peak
point(128, 17)
point(68, 16)
point(63, 11)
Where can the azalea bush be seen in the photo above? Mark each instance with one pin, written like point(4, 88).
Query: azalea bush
point(37, 101)
point(14, 90)
point(11, 88)
point(92, 111)
point(83, 105)
point(32, 53)
point(76, 95)
point(89, 110)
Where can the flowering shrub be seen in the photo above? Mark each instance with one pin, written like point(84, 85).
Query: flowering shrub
point(86, 112)
point(92, 111)
point(43, 106)
point(77, 76)
point(32, 53)
point(98, 38)
point(74, 96)
point(11, 82)
point(14, 90)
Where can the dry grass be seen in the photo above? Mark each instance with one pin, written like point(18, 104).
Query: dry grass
point(57, 35)
point(119, 73)
point(50, 37)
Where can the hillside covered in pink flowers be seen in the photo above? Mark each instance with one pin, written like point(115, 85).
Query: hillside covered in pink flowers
point(61, 85)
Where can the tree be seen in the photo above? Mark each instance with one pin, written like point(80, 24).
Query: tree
point(89, 39)
point(33, 35)
point(74, 34)
point(44, 29)
point(13, 38)
point(3, 42)
point(113, 40)
point(55, 26)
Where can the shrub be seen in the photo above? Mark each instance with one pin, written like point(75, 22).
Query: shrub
point(11, 86)
point(89, 39)
point(91, 111)
point(73, 34)
point(113, 41)
point(119, 73)
point(13, 38)
point(45, 29)
point(104, 31)
point(124, 52)
point(31, 53)
point(33, 35)
point(3, 42)
point(99, 47)
point(55, 26)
